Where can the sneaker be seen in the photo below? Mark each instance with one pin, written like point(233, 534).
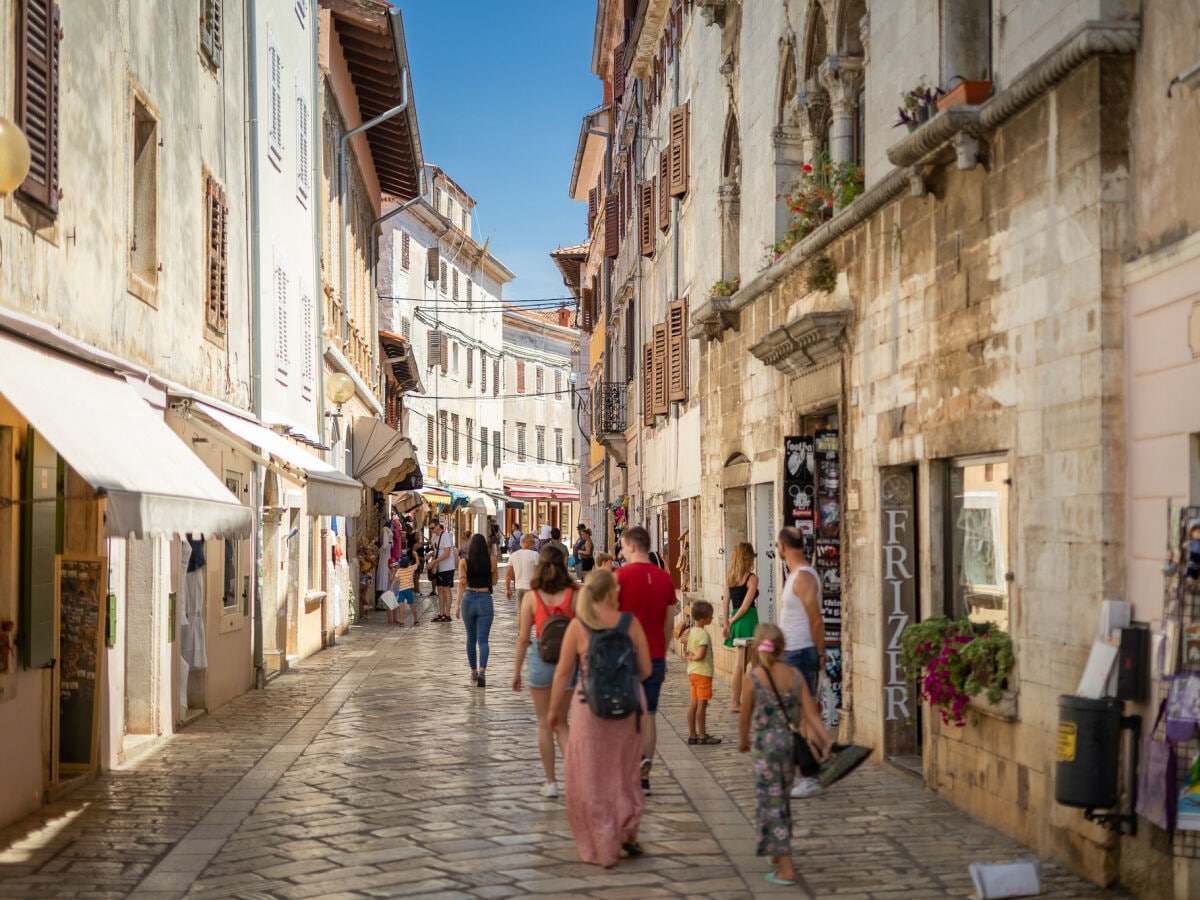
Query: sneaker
point(646, 786)
point(806, 787)
point(646, 763)
point(550, 789)
point(481, 681)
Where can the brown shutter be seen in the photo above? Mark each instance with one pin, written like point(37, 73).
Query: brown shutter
point(661, 403)
point(677, 347)
point(445, 352)
point(433, 349)
point(646, 219)
point(37, 98)
point(587, 319)
point(483, 371)
point(217, 311)
point(679, 151)
point(432, 264)
point(470, 367)
point(496, 377)
point(612, 241)
point(648, 383)
point(664, 190)
point(618, 73)
point(429, 438)
point(520, 376)
point(593, 203)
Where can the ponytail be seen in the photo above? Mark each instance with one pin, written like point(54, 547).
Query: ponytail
point(599, 585)
point(767, 644)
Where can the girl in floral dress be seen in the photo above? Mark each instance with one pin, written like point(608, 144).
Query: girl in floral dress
point(770, 682)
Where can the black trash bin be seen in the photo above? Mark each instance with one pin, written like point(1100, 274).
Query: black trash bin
point(1088, 753)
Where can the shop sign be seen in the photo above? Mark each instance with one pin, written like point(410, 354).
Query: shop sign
point(899, 602)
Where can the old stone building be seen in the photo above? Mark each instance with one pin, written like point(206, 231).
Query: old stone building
point(912, 341)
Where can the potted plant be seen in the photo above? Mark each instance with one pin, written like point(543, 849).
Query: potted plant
point(917, 105)
point(966, 93)
point(952, 661)
point(725, 288)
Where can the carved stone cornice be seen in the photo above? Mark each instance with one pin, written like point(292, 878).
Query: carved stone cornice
point(935, 135)
point(810, 342)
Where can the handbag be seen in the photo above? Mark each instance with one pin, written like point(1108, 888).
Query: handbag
point(1156, 802)
point(802, 755)
point(1183, 707)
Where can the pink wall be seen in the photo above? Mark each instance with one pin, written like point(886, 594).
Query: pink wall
point(21, 748)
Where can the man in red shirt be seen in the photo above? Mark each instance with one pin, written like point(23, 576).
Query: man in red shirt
point(648, 592)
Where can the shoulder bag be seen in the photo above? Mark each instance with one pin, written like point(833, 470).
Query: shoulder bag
point(802, 755)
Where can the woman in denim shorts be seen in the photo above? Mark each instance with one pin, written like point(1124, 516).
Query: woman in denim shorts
point(550, 593)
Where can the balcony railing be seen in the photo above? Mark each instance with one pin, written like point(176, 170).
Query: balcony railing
point(608, 408)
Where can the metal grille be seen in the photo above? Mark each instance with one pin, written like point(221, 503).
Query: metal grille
point(608, 407)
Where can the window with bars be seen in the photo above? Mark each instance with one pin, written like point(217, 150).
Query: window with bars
point(443, 277)
point(217, 214)
point(558, 446)
point(468, 439)
point(303, 158)
point(444, 433)
point(454, 436)
point(520, 442)
point(210, 30)
point(430, 438)
point(496, 451)
point(454, 281)
point(405, 251)
point(541, 443)
point(275, 107)
point(483, 447)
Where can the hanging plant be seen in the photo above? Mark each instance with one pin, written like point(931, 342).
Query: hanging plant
point(953, 660)
point(823, 186)
point(822, 274)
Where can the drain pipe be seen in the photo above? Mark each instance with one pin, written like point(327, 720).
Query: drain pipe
point(353, 132)
point(256, 398)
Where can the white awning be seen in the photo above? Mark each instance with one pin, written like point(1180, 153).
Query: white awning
point(382, 456)
point(329, 492)
point(153, 484)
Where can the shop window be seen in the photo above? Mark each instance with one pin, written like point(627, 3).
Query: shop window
point(977, 538)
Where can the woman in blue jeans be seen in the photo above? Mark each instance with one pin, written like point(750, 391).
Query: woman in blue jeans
point(476, 577)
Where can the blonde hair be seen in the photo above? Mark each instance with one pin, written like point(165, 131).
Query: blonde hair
point(767, 632)
point(602, 558)
point(599, 585)
point(742, 566)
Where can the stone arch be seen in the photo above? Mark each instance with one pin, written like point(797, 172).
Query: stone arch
point(848, 27)
point(731, 152)
point(730, 200)
point(789, 87)
point(736, 458)
point(816, 41)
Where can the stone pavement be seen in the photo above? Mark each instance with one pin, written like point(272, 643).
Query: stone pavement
point(376, 769)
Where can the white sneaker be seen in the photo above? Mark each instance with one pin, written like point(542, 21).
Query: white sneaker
point(550, 789)
point(806, 787)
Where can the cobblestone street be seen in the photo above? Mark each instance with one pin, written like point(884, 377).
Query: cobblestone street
point(376, 769)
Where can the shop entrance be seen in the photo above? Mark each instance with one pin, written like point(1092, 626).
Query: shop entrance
point(899, 571)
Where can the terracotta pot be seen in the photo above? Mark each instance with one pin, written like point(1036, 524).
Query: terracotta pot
point(966, 93)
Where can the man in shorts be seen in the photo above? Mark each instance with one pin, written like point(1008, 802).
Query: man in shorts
point(649, 593)
point(445, 560)
point(520, 569)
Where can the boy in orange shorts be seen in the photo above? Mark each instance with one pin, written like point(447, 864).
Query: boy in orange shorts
point(700, 673)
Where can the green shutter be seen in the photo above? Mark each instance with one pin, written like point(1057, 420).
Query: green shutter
point(40, 517)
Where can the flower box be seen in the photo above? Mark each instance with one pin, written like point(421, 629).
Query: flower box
point(966, 93)
point(1004, 709)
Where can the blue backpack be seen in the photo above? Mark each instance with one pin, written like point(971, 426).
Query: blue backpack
point(612, 684)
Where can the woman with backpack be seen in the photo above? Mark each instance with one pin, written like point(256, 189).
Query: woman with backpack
point(546, 611)
point(477, 579)
point(602, 772)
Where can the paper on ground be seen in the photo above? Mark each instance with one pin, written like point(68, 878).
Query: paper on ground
point(1012, 879)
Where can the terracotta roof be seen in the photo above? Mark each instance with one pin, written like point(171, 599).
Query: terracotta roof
point(400, 358)
point(547, 316)
point(569, 261)
point(371, 34)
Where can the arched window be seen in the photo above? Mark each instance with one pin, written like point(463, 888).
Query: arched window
point(730, 196)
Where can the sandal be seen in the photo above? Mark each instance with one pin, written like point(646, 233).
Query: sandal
point(708, 739)
point(774, 878)
point(633, 848)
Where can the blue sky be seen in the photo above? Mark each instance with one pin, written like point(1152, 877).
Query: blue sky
point(500, 90)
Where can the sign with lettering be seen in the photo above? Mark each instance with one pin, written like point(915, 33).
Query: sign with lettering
point(898, 532)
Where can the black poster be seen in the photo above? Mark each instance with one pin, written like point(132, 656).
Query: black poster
point(800, 487)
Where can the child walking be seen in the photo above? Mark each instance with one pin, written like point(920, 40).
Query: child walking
point(404, 587)
point(774, 698)
point(700, 674)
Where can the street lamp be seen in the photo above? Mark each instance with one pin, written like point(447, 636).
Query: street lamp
point(14, 156)
point(339, 387)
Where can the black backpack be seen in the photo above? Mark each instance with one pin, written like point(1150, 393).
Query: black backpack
point(611, 684)
point(553, 629)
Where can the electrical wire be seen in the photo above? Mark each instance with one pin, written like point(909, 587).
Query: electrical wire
point(490, 396)
point(529, 457)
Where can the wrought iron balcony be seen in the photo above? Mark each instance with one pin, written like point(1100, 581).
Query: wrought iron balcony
point(608, 408)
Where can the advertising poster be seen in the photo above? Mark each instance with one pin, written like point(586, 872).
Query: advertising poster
point(800, 487)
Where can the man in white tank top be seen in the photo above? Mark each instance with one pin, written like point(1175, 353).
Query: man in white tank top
point(802, 625)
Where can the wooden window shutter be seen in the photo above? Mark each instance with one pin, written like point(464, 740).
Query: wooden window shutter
point(664, 190)
point(444, 353)
point(648, 383)
point(429, 438)
point(470, 367)
point(483, 371)
point(646, 219)
point(275, 108)
point(496, 379)
point(660, 402)
point(433, 349)
point(679, 151)
point(217, 311)
point(587, 322)
point(612, 240)
point(405, 251)
point(593, 204)
point(618, 75)
point(37, 98)
point(432, 264)
point(677, 346)
point(282, 340)
point(520, 376)
point(210, 30)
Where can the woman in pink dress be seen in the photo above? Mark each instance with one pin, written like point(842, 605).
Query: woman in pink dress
point(602, 769)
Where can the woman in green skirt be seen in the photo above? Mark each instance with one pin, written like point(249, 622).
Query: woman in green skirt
point(741, 612)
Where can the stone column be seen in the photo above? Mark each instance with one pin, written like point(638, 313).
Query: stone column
point(729, 196)
point(842, 77)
